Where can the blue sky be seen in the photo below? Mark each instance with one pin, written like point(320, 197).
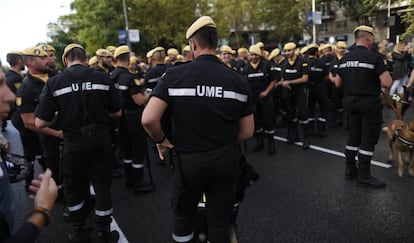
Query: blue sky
point(23, 23)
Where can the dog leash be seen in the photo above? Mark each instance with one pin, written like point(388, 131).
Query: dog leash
point(389, 101)
point(404, 140)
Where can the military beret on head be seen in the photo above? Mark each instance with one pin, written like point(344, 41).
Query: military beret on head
point(254, 49)
point(289, 46)
point(260, 44)
point(103, 53)
point(34, 51)
point(364, 28)
point(304, 49)
point(341, 44)
point(68, 48)
point(47, 47)
point(92, 61)
point(133, 59)
point(225, 48)
point(313, 45)
point(150, 53)
point(172, 51)
point(186, 48)
point(121, 50)
point(274, 53)
point(201, 22)
point(159, 48)
point(324, 46)
point(111, 49)
point(242, 50)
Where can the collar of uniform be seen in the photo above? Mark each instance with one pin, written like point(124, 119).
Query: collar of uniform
point(208, 57)
point(339, 56)
point(42, 77)
point(361, 47)
point(292, 60)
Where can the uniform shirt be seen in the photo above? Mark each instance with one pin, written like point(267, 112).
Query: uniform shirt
point(206, 100)
point(63, 94)
point(334, 65)
point(153, 75)
point(296, 70)
point(360, 70)
point(128, 84)
point(240, 65)
point(327, 60)
point(27, 96)
point(259, 77)
point(13, 80)
point(276, 68)
point(317, 70)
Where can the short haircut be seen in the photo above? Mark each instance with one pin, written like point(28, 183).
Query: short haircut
point(123, 57)
point(312, 51)
point(76, 54)
point(159, 56)
point(12, 59)
point(206, 37)
point(361, 34)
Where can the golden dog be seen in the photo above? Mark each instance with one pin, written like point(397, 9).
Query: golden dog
point(401, 138)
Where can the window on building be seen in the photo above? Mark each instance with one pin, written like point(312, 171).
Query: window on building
point(323, 27)
point(340, 3)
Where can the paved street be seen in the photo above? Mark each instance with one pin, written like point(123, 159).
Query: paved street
point(301, 196)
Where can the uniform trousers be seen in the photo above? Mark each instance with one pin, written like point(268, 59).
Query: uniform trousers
point(364, 117)
point(133, 138)
point(84, 162)
point(213, 173)
point(264, 115)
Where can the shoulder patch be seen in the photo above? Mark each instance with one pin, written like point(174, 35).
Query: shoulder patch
point(137, 82)
point(17, 85)
point(18, 101)
point(305, 64)
point(385, 62)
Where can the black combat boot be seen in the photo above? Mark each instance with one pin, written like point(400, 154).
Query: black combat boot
point(271, 142)
point(259, 142)
point(366, 180)
point(79, 234)
point(321, 129)
point(129, 178)
point(141, 186)
point(306, 136)
point(103, 230)
point(292, 133)
point(351, 171)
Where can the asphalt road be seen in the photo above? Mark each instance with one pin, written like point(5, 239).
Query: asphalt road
point(301, 196)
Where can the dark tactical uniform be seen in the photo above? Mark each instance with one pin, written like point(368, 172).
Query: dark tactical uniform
point(27, 98)
point(337, 96)
point(153, 75)
point(13, 81)
point(277, 92)
point(327, 61)
point(295, 100)
point(207, 101)
point(318, 94)
point(87, 148)
point(264, 119)
point(133, 139)
point(360, 70)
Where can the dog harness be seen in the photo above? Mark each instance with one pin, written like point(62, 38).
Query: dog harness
point(404, 140)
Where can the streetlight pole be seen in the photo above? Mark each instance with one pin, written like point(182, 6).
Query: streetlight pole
point(126, 23)
point(388, 16)
point(313, 22)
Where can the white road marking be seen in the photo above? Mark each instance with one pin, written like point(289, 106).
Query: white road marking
point(333, 152)
point(115, 226)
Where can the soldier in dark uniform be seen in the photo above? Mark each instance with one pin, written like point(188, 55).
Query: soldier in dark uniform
point(337, 92)
point(133, 138)
point(295, 74)
point(14, 77)
point(242, 54)
point(275, 60)
point(157, 69)
point(363, 73)
point(226, 56)
point(212, 113)
point(27, 98)
point(83, 98)
point(52, 59)
point(318, 93)
point(104, 60)
point(261, 81)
